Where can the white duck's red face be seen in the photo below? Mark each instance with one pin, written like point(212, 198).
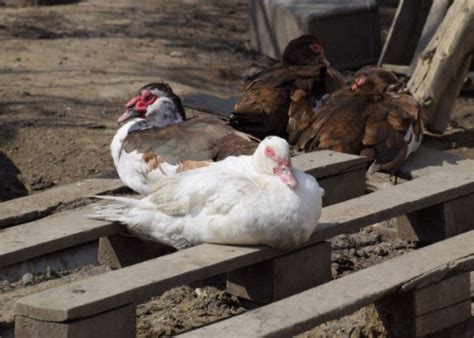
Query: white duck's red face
point(138, 105)
point(277, 159)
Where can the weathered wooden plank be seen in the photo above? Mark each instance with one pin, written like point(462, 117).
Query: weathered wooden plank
point(59, 231)
point(141, 281)
point(324, 163)
point(28, 208)
point(401, 199)
point(72, 228)
point(342, 296)
point(426, 161)
point(119, 323)
point(211, 104)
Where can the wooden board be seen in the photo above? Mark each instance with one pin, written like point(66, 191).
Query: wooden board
point(340, 297)
point(427, 160)
point(28, 208)
point(142, 281)
point(59, 231)
point(211, 104)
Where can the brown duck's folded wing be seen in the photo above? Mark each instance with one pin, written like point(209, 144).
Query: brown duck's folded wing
point(388, 144)
point(338, 125)
point(266, 100)
point(196, 139)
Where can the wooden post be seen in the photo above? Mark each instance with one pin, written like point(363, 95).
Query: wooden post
point(117, 323)
point(439, 221)
point(441, 68)
point(121, 250)
point(283, 276)
point(429, 309)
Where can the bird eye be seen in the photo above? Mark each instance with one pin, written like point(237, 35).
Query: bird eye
point(148, 97)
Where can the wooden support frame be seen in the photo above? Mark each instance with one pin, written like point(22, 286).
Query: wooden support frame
point(95, 295)
point(432, 269)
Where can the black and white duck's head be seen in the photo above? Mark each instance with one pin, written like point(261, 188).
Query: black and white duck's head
point(156, 104)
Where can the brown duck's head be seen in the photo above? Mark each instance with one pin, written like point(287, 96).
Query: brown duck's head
point(374, 79)
point(305, 50)
point(154, 100)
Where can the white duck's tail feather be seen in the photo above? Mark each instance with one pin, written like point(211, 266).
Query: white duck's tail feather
point(123, 200)
point(111, 212)
point(114, 212)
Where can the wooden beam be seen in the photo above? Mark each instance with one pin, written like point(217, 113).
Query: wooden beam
point(341, 297)
point(29, 208)
point(142, 281)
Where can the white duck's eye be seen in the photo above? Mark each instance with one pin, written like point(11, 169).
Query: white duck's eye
point(149, 97)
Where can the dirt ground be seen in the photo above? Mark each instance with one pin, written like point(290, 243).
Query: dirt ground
point(65, 74)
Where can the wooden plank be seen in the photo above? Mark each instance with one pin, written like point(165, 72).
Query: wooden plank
point(426, 161)
point(72, 228)
point(342, 296)
point(141, 281)
point(59, 231)
point(211, 104)
point(120, 323)
point(39, 205)
point(401, 199)
point(397, 69)
point(324, 163)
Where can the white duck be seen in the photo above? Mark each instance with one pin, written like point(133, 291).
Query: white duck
point(245, 200)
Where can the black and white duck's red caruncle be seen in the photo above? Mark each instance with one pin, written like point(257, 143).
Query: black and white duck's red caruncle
point(372, 117)
point(268, 97)
point(155, 139)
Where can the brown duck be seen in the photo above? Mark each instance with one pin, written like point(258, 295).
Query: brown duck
point(268, 96)
point(372, 117)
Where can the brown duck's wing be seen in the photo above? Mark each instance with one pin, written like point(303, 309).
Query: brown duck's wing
point(300, 113)
point(263, 109)
point(196, 139)
point(338, 125)
point(381, 134)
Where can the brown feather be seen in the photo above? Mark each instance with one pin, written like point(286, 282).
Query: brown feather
point(197, 139)
point(366, 123)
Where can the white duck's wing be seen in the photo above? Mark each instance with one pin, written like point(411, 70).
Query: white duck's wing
point(217, 187)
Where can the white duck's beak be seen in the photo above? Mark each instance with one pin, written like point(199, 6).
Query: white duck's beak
point(284, 172)
point(127, 115)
